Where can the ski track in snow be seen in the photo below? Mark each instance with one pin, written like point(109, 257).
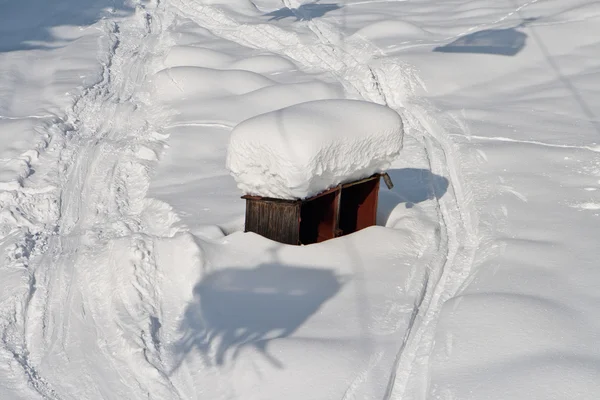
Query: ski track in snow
point(98, 159)
point(383, 82)
point(595, 149)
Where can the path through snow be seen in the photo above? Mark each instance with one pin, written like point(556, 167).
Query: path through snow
point(96, 173)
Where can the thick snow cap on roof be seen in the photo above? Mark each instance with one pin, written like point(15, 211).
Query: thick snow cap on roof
point(299, 151)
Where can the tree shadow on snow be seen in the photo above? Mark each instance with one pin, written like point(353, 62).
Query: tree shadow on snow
point(411, 186)
point(305, 12)
point(506, 42)
point(35, 24)
point(239, 308)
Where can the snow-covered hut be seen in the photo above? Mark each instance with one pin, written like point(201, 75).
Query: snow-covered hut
point(311, 172)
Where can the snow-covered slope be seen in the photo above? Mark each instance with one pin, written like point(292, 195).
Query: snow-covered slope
point(125, 272)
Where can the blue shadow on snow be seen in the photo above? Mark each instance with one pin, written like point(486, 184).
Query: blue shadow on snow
point(32, 24)
point(305, 12)
point(238, 308)
point(505, 42)
point(411, 186)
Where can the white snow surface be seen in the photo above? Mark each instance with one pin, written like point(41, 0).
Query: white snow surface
point(299, 151)
point(124, 269)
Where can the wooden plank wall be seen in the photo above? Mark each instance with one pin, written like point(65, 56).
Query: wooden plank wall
point(276, 220)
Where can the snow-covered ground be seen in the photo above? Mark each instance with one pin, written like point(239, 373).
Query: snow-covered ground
point(126, 274)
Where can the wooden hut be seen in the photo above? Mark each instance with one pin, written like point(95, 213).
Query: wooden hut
point(339, 211)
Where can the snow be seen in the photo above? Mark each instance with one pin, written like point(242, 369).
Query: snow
point(124, 267)
point(299, 151)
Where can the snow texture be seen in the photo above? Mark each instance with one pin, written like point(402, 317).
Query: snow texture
point(124, 269)
point(302, 150)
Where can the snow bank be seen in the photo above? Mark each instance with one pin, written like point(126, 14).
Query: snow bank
point(299, 151)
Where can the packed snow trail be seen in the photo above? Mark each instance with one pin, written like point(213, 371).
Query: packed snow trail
point(98, 164)
point(389, 82)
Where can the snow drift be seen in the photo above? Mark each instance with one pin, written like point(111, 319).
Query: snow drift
point(299, 151)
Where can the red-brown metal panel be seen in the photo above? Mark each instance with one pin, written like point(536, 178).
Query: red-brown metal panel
point(367, 209)
point(358, 209)
point(318, 217)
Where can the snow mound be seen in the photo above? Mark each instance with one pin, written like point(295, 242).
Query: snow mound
point(194, 83)
point(299, 151)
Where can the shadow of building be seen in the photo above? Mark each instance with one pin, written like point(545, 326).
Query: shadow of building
point(411, 186)
point(238, 308)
